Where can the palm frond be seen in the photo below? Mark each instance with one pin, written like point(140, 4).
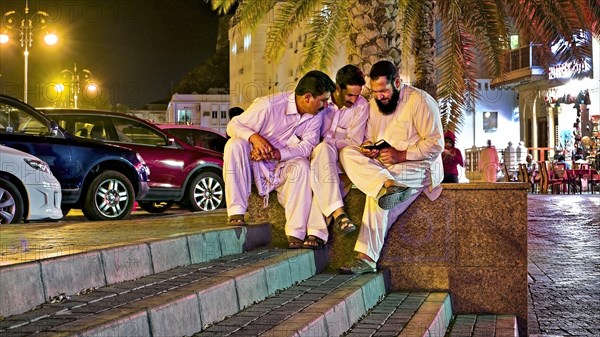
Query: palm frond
point(456, 67)
point(290, 15)
point(222, 6)
point(325, 38)
point(250, 13)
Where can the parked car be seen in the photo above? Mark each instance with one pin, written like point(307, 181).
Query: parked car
point(28, 189)
point(100, 179)
point(196, 135)
point(180, 172)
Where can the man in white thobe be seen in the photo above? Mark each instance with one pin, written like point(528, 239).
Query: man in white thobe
point(344, 124)
point(408, 119)
point(273, 139)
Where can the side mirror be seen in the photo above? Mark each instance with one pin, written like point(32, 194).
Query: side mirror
point(170, 141)
point(53, 129)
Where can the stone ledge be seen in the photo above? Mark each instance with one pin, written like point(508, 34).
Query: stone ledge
point(472, 242)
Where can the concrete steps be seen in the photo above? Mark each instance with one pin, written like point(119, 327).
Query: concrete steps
point(176, 302)
point(225, 282)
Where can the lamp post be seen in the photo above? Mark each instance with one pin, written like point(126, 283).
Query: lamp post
point(76, 77)
point(25, 29)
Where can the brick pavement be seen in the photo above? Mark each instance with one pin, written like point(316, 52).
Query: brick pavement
point(564, 265)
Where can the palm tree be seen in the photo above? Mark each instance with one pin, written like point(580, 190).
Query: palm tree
point(473, 34)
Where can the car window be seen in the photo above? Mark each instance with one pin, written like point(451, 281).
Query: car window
point(90, 127)
point(13, 120)
point(131, 131)
point(210, 140)
point(200, 138)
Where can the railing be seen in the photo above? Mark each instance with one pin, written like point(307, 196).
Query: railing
point(524, 57)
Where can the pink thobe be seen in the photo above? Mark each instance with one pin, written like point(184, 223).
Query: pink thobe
point(341, 128)
point(489, 164)
point(415, 127)
point(276, 118)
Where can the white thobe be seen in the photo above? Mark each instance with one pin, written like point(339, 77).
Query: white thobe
point(415, 127)
point(340, 128)
point(489, 164)
point(276, 118)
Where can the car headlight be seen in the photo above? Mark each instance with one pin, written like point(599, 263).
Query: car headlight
point(38, 165)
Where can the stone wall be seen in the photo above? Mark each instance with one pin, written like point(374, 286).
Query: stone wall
point(472, 242)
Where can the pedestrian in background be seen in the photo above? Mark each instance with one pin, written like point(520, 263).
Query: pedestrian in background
point(452, 157)
point(489, 163)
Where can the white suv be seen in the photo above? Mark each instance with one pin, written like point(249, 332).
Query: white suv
point(28, 189)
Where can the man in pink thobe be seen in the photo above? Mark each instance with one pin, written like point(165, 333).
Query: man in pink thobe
point(343, 124)
point(489, 163)
point(273, 140)
point(408, 119)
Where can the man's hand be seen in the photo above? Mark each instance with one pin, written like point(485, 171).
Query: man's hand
point(391, 156)
point(261, 148)
point(371, 153)
point(274, 155)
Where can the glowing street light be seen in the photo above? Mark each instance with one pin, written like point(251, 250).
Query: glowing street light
point(76, 77)
point(25, 29)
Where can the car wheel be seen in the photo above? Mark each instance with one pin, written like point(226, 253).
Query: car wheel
point(11, 203)
point(109, 197)
point(206, 192)
point(155, 207)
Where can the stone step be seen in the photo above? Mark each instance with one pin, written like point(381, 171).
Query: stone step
point(26, 285)
point(483, 325)
point(325, 305)
point(407, 314)
point(175, 302)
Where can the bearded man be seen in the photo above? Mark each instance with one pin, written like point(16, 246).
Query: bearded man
point(400, 159)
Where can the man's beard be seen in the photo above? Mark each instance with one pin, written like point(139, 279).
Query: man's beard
point(390, 107)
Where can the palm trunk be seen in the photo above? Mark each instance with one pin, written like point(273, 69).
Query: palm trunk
point(424, 49)
point(373, 33)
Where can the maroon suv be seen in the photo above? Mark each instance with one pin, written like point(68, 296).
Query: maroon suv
point(179, 172)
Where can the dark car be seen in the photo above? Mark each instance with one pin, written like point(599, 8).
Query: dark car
point(180, 172)
point(100, 179)
point(197, 135)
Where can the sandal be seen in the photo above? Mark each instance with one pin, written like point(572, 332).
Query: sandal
point(236, 220)
point(313, 242)
point(294, 243)
point(393, 196)
point(358, 267)
point(343, 224)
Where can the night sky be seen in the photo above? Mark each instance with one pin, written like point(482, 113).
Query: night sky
point(136, 49)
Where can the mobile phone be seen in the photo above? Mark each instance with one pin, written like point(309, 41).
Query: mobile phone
point(379, 145)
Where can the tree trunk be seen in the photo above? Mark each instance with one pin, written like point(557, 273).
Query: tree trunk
point(373, 33)
point(423, 49)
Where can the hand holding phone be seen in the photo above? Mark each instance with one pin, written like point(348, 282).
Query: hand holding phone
point(379, 145)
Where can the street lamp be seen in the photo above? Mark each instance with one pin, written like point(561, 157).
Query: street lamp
point(76, 77)
point(25, 29)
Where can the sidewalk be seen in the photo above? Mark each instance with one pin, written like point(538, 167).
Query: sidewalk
point(564, 254)
point(564, 265)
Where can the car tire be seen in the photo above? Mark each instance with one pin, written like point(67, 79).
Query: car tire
point(155, 207)
point(206, 192)
point(11, 203)
point(110, 196)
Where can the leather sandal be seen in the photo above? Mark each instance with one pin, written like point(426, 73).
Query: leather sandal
point(313, 242)
point(393, 196)
point(294, 243)
point(236, 220)
point(343, 224)
point(358, 267)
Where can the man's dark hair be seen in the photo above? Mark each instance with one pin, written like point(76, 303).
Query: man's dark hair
point(349, 75)
point(384, 68)
point(235, 111)
point(314, 82)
